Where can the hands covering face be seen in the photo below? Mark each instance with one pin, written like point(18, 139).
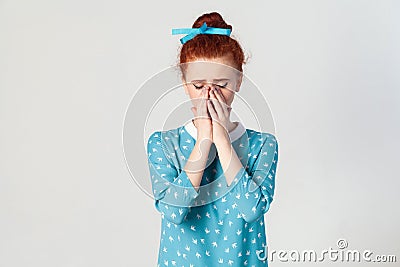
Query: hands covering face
point(214, 115)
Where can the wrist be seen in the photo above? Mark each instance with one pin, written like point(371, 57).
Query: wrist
point(222, 140)
point(203, 137)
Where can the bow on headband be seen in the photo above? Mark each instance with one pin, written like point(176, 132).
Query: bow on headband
point(192, 32)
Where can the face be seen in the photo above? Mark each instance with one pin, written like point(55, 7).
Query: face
point(208, 73)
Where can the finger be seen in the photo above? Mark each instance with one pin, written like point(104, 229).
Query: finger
point(217, 103)
point(227, 109)
point(203, 111)
point(212, 111)
point(222, 102)
point(202, 104)
point(206, 113)
point(222, 96)
point(206, 110)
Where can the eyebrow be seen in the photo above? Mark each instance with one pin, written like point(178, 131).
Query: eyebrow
point(215, 80)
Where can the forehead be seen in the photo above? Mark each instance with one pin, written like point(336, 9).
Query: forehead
point(209, 71)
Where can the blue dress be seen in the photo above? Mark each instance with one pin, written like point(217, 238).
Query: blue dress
point(218, 225)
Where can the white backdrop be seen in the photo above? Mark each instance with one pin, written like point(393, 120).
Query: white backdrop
point(68, 69)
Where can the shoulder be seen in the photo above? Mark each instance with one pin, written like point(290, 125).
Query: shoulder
point(154, 139)
point(264, 144)
point(261, 138)
point(164, 137)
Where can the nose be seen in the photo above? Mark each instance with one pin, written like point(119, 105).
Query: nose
point(207, 88)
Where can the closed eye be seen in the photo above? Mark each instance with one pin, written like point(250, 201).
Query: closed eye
point(201, 86)
point(222, 86)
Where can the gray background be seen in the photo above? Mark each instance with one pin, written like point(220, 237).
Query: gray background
point(68, 70)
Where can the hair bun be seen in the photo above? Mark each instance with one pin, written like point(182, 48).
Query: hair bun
point(212, 46)
point(213, 19)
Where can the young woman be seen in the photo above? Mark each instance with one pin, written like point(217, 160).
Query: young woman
point(212, 179)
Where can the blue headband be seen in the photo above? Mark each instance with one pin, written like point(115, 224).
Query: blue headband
point(192, 32)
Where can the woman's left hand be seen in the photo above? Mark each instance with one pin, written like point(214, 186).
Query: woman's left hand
point(220, 114)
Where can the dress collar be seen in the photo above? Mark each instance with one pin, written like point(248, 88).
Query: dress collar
point(234, 134)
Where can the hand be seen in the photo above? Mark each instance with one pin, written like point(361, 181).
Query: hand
point(220, 114)
point(202, 119)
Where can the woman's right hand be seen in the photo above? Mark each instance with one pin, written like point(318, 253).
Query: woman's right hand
point(202, 120)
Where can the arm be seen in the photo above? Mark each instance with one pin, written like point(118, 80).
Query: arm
point(173, 192)
point(252, 191)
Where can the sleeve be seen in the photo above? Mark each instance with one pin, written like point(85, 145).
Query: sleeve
point(254, 191)
point(173, 192)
